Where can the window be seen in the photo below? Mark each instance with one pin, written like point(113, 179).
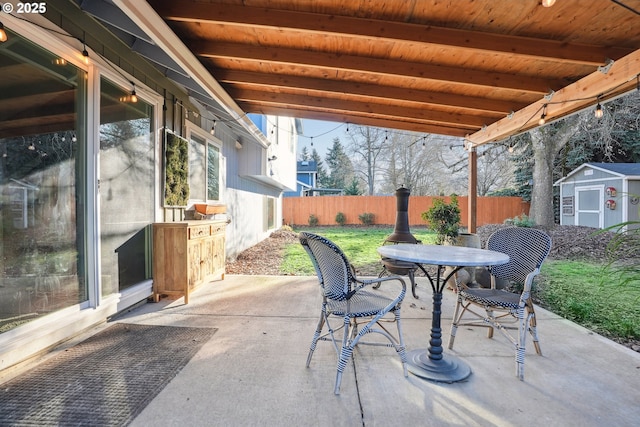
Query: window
point(270, 213)
point(204, 168)
point(42, 202)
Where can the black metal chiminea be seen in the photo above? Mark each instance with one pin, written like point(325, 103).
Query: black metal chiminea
point(401, 234)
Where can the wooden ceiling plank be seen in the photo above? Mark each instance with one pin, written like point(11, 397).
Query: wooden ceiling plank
point(362, 64)
point(479, 104)
point(282, 20)
point(364, 120)
point(423, 114)
point(622, 76)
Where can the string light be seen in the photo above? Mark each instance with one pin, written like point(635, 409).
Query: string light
point(3, 33)
point(548, 3)
point(598, 112)
point(134, 97)
point(213, 128)
point(543, 115)
point(85, 53)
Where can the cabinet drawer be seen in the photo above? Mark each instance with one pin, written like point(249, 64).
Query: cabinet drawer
point(198, 231)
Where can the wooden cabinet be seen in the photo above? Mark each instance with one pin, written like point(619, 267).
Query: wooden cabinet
point(186, 255)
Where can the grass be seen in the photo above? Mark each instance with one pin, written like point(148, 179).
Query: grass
point(584, 293)
point(579, 291)
point(358, 243)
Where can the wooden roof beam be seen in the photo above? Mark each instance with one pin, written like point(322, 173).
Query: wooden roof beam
point(230, 14)
point(392, 67)
point(423, 114)
point(620, 78)
point(255, 79)
point(357, 119)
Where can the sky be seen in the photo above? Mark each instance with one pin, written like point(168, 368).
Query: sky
point(323, 134)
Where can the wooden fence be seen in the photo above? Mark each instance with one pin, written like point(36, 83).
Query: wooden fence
point(490, 210)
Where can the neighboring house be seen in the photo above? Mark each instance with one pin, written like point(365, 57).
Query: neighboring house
point(600, 195)
point(88, 104)
point(306, 178)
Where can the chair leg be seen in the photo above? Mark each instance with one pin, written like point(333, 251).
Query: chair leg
point(490, 328)
point(457, 315)
point(522, 341)
point(345, 354)
point(400, 347)
point(316, 336)
point(533, 329)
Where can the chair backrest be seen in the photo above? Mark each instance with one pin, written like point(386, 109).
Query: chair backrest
point(331, 264)
point(527, 249)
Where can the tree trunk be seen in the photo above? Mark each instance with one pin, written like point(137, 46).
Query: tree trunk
point(547, 142)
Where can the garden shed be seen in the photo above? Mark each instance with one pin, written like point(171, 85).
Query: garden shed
point(600, 195)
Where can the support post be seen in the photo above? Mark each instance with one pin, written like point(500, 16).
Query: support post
point(473, 190)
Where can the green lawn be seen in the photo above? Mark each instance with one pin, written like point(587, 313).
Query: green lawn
point(358, 244)
point(580, 291)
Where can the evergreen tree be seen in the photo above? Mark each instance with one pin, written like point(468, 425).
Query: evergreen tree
point(322, 177)
point(304, 154)
point(353, 189)
point(339, 164)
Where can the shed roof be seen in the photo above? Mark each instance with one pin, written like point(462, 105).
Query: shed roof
point(618, 169)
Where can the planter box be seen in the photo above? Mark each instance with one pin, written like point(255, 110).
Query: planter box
point(206, 209)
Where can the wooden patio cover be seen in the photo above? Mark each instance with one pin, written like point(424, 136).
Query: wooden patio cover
point(480, 69)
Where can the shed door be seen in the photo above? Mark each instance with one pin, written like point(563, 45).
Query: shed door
point(589, 209)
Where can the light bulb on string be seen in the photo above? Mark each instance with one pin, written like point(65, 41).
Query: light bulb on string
point(85, 54)
point(543, 115)
point(134, 97)
point(548, 3)
point(3, 33)
point(312, 141)
point(213, 128)
point(598, 113)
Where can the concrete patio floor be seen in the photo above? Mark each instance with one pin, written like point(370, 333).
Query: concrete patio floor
point(252, 371)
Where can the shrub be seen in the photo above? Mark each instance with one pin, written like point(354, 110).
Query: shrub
point(367, 218)
point(520, 221)
point(313, 220)
point(340, 218)
point(444, 219)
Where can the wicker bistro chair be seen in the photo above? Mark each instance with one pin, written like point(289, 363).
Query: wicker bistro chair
point(347, 297)
point(527, 249)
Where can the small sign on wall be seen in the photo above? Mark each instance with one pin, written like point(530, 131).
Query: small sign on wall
point(567, 206)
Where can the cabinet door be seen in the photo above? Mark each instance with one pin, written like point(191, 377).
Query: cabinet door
point(218, 257)
point(195, 263)
point(208, 255)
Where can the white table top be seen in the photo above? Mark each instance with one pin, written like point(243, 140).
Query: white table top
point(443, 255)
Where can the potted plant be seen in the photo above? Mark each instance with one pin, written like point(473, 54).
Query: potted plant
point(444, 219)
